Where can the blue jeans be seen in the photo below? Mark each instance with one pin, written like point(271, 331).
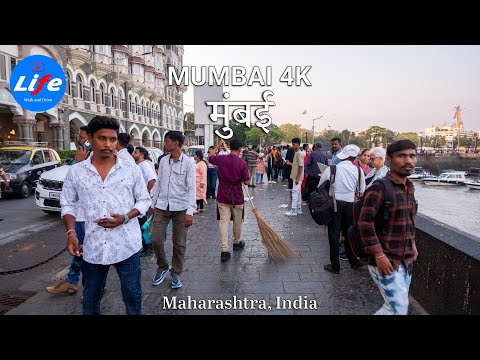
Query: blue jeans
point(76, 265)
point(128, 271)
point(212, 174)
point(394, 289)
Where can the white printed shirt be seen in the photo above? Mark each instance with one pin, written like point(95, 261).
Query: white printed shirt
point(147, 172)
point(125, 155)
point(175, 187)
point(123, 190)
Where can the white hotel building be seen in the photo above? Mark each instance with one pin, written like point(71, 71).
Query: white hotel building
point(127, 82)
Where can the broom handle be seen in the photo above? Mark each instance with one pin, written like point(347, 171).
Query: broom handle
point(248, 194)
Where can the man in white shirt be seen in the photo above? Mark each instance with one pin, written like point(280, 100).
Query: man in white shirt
point(110, 193)
point(122, 150)
point(345, 186)
point(140, 155)
point(173, 198)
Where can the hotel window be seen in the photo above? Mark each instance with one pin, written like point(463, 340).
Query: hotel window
point(147, 49)
point(93, 97)
point(7, 64)
point(102, 49)
point(122, 101)
point(79, 87)
point(102, 94)
point(112, 98)
point(149, 76)
point(69, 84)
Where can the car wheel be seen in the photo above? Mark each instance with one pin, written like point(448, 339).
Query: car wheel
point(50, 212)
point(25, 189)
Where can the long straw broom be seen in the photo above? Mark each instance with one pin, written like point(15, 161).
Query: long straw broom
point(276, 245)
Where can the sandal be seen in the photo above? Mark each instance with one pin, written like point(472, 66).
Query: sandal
point(331, 269)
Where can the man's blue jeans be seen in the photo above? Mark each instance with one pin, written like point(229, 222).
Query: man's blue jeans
point(212, 174)
point(76, 265)
point(94, 276)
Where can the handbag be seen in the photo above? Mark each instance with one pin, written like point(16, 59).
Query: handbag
point(147, 230)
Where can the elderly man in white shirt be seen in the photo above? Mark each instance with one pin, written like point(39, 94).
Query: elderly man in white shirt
point(110, 193)
point(345, 186)
point(173, 198)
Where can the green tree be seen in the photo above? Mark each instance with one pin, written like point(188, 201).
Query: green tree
point(409, 136)
point(189, 121)
point(291, 131)
point(377, 135)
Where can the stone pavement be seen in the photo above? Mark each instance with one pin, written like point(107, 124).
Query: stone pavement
point(249, 279)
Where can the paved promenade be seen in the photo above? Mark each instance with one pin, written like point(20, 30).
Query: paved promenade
point(248, 280)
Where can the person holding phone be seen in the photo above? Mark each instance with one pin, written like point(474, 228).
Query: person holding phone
point(111, 194)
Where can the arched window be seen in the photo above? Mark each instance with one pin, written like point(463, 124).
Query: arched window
point(142, 108)
point(121, 101)
point(93, 97)
point(102, 94)
point(79, 87)
point(69, 84)
point(130, 104)
point(112, 98)
point(137, 110)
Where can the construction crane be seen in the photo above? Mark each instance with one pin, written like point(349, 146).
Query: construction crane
point(458, 116)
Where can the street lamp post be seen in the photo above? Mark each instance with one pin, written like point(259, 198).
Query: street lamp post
point(313, 128)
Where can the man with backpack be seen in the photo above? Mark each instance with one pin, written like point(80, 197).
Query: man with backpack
point(343, 189)
point(392, 252)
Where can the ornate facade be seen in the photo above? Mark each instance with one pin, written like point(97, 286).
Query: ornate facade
point(123, 81)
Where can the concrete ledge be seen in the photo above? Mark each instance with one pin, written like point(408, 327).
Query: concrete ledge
point(446, 277)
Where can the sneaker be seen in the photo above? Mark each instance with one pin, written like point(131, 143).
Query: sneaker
point(299, 212)
point(147, 251)
point(62, 287)
point(176, 283)
point(239, 246)
point(224, 256)
point(160, 276)
point(291, 213)
point(343, 256)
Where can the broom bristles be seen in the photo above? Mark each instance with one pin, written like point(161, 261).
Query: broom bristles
point(276, 245)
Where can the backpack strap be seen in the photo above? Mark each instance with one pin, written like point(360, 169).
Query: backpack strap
point(333, 172)
point(358, 182)
point(387, 183)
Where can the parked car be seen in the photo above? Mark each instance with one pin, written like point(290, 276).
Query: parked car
point(23, 166)
point(191, 150)
point(50, 185)
point(154, 153)
point(49, 188)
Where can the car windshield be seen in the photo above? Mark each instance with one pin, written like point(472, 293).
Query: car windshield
point(15, 157)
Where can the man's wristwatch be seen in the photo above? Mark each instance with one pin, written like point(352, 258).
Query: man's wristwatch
point(127, 219)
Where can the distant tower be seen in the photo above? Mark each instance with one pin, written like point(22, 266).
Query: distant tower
point(458, 116)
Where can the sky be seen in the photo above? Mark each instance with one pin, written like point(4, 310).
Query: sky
point(403, 88)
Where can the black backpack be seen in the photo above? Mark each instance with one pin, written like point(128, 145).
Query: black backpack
point(321, 203)
point(381, 220)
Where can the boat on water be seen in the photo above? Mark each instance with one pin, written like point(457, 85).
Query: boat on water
point(420, 173)
point(449, 178)
point(475, 185)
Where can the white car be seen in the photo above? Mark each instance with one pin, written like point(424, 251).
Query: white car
point(49, 188)
point(50, 184)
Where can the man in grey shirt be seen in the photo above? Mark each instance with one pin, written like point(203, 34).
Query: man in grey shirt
point(173, 198)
